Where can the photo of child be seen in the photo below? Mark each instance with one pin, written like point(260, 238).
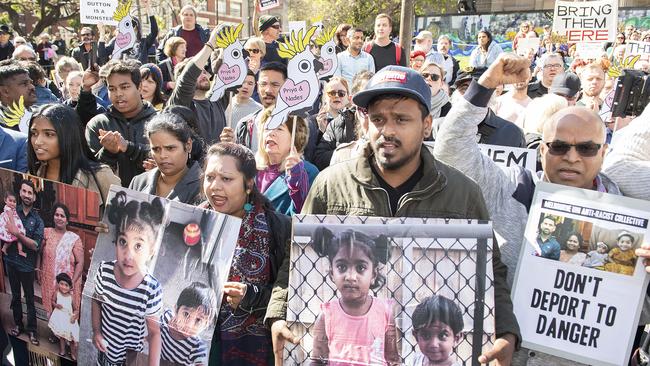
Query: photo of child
point(180, 328)
point(9, 214)
point(597, 258)
point(63, 321)
point(356, 327)
point(126, 302)
point(437, 326)
point(621, 259)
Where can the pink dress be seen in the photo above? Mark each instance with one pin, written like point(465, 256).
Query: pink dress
point(4, 218)
point(357, 340)
point(59, 253)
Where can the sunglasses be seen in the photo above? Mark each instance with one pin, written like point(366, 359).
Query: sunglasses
point(433, 77)
point(253, 50)
point(585, 149)
point(276, 26)
point(339, 93)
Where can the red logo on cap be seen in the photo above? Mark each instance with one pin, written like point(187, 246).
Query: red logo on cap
point(391, 76)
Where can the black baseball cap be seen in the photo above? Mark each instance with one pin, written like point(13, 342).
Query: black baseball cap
point(566, 84)
point(395, 80)
point(4, 29)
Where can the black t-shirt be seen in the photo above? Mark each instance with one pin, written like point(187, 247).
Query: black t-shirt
point(537, 89)
point(385, 56)
point(395, 193)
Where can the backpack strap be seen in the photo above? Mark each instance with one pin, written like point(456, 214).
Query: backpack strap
point(367, 47)
point(525, 188)
point(398, 53)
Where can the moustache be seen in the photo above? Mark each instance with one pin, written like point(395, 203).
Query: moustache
point(382, 140)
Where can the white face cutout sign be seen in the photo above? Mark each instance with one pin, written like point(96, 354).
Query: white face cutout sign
point(232, 71)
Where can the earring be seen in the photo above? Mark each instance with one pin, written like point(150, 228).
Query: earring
point(248, 206)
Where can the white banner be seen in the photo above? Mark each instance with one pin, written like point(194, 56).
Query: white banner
point(505, 156)
point(524, 44)
point(590, 49)
point(586, 21)
point(579, 288)
point(633, 48)
point(98, 11)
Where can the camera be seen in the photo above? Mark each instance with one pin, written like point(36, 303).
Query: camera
point(632, 93)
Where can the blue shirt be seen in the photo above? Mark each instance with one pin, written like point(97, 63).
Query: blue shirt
point(34, 230)
point(350, 66)
point(13, 151)
point(550, 248)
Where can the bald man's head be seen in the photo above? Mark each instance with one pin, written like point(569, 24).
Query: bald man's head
point(574, 147)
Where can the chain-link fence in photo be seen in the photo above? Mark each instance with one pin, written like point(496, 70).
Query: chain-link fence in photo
point(371, 290)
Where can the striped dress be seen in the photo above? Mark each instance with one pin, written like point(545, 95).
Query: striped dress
point(187, 352)
point(123, 311)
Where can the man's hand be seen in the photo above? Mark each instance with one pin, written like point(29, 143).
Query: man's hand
point(227, 135)
point(644, 252)
point(507, 69)
point(501, 352)
point(112, 141)
point(280, 333)
point(235, 292)
point(292, 160)
point(212, 41)
point(89, 78)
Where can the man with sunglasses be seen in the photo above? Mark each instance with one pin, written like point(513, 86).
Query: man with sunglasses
point(84, 52)
point(552, 65)
point(572, 154)
point(6, 47)
point(270, 29)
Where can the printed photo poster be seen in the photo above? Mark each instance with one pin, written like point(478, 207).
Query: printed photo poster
point(579, 288)
point(372, 290)
point(156, 277)
point(62, 219)
point(586, 21)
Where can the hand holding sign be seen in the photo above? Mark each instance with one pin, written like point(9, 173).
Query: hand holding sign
point(507, 69)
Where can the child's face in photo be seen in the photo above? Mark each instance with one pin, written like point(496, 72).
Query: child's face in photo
point(10, 201)
point(190, 321)
point(601, 249)
point(625, 243)
point(436, 342)
point(352, 272)
point(134, 248)
point(64, 287)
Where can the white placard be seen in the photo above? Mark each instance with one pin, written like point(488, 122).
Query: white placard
point(505, 156)
point(584, 304)
point(633, 48)
point(524, 44)
point(586, 21)
point(296, 25)
point(97, 11)
point(588, 50)
point(268, 4)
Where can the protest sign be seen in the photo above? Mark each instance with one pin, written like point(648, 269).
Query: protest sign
point(413, 271)
point(296, 25)
point(300, 89)
point(505, 156)
point(126, 35)
point(590, 50)
point(17, 115)
point(232, 70)
point(525, 44)
point(586, 21)
point(579, 288)
point(634, 48)
point(264, 5)
point(98, 11)
point(157, 258)
point(328, 59)
point(62, 219)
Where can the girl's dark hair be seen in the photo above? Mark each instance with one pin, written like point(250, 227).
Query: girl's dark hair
point(74, 153)
point(10, 193)
point(187, 115)
point(170, 123)
point(489, 35)
point(153, 71)
point(245, 162)
point(139, 214)
point(62, 206)
point(64, 277)
point(198, 295)
point(577, 235)
point(326, 244)
point(437, 308)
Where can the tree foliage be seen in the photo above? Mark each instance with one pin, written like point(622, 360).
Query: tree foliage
point(361, 13)
point(47, 13)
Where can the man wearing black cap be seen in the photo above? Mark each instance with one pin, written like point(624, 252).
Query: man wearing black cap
point(270, 28)
point(397, 177)
point(6, 47)
point(566, 85)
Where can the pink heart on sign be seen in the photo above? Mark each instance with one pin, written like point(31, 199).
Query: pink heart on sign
point(327, 66)
point(228, 74)
point(293, 93)
point(123, 39)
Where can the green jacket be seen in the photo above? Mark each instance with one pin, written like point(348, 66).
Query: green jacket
point(350, 188)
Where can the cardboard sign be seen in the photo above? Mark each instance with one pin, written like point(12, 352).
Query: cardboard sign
point(232, 71)
point(17, 115)
point(586, 21)
point(579, 288)
point(325, 41)
point(634, 48)
point(296, 25)
point(421, 269)
point(98, 11)
point(525, 44)
point(126, 35)
point(265, 5)
point(590, 50)
point(505, 156)
point(300, 90)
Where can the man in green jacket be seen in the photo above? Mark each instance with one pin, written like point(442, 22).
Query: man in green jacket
point(398, 178)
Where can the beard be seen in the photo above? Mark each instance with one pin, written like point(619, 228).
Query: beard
point(385, 161)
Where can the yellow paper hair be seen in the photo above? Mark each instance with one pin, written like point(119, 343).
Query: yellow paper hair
point(122, 10)
point(228, 36)
point(14, 113)
point(325, 36)
point(617, 69)
point(296, 43)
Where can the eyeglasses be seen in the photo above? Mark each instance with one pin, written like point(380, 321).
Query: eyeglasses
point(585, 149)
point(86, 34)
point(552, 66)
point(253, 50)
point(433, 77)
point(339, 93)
